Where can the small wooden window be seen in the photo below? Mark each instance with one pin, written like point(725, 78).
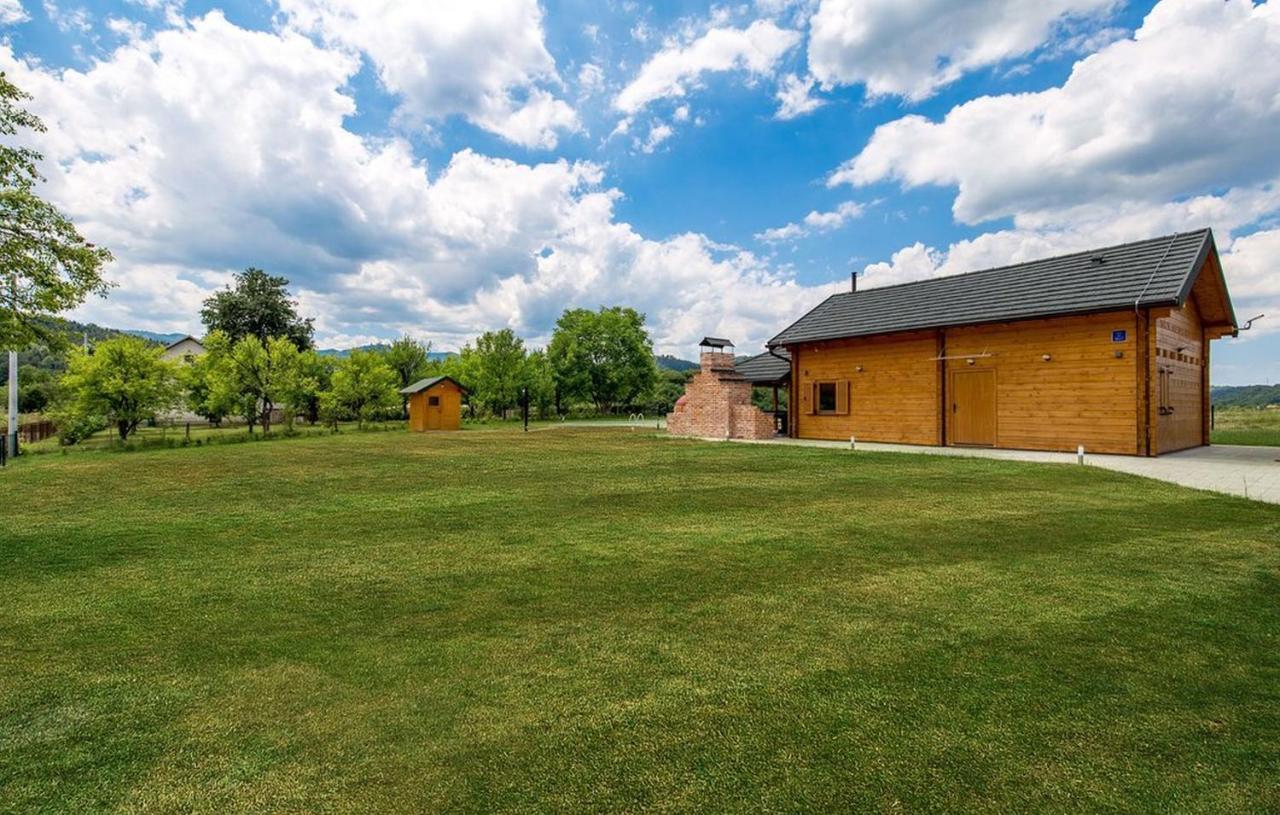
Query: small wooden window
point(831, 398)
point(826, 397)
point(433, 401)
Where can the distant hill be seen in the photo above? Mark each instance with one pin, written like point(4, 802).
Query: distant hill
point(163, 339)
point(675, 363)
point(1245, 395)
point(434, 356)
point(72, 333)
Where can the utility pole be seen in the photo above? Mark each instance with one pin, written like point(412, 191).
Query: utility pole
point(11, 439)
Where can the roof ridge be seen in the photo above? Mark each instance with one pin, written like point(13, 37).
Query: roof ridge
point(1048, 259)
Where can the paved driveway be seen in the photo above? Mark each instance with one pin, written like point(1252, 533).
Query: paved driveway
point(1253, 472)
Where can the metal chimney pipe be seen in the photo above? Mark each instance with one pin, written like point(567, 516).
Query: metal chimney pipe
point(853, 281)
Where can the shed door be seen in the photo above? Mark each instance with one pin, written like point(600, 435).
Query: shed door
point(433, 411)
point(973, 408)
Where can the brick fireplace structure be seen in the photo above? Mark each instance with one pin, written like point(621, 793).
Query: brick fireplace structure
point(717, 401)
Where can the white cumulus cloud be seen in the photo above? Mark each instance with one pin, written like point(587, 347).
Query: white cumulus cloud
point(912, 48)
point(679, 66)
point(1137, 121)
point(12, 12)
point(485, 61)
point(815, 221)
point(795, 97)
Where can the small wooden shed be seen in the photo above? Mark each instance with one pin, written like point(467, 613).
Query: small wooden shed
point(435, 404)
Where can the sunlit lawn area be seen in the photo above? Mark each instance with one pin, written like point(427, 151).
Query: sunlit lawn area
point(609, 620)
point(1258, 426)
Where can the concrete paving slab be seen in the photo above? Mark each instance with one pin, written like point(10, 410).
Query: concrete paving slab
point(1251, 472)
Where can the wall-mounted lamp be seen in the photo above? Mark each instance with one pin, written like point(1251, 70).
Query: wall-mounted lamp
point(858, 369)
point(1047, 357)
point(970, 361)
point(1119, 354)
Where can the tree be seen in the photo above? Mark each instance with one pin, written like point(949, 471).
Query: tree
point(463, 367)
point(252, 376)
point(363, 386)
point(45, 265)
point(257, 305)
point(39, 389)
point(409, 359)
point(499, 360)
point(670, 387)
point(199, 380)
point(125, 381)
point(605, 356)
point(313, 377)
point(541, 382)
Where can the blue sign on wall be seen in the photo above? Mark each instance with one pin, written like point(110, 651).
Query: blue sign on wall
point(1119, 335)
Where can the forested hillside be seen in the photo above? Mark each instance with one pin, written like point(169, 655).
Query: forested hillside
point(1246, 396)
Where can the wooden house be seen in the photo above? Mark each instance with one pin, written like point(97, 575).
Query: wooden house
point(435, 404)
point(1106, 349)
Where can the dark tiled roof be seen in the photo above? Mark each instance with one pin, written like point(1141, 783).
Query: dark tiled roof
point(423, 384)
point(1153, 272)
point(715, 342)
point(765, 368)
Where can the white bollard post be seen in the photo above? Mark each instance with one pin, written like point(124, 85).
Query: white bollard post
point(853, 442)
point(1080, 454)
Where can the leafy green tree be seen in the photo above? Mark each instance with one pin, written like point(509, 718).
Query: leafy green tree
point(603, 356)
point(252, 376)
point(463, 367)
point(257, 305)
point(499, 375)
point(670, 387)
point(314, 376)
point(45, 265)
point(541, 381)
point(410, 359)
point(39, 389)
point(363, 386)
point(125, 381)
point(204, 397)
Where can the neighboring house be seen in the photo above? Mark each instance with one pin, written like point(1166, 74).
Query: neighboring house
point(435, 404)
point(1108, 349)
point(184, 350)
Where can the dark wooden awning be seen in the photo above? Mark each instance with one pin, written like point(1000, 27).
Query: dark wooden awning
point(766, 370)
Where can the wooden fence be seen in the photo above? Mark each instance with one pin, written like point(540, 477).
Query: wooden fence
point(32, 432)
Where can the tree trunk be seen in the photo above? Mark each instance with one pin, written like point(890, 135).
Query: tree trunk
point(122, 427)
point(266, 417)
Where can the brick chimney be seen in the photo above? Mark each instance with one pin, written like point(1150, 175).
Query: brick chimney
point(715, 360)
point(717, 401)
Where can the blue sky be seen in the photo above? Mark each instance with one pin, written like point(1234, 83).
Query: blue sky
point(441, 169)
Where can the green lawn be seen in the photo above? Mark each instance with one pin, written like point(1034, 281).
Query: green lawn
point(1255, 426)
point(607, 620)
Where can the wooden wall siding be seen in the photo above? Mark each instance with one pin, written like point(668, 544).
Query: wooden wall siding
point(1178, 358)
point(1084, 394)
point(894, 398)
